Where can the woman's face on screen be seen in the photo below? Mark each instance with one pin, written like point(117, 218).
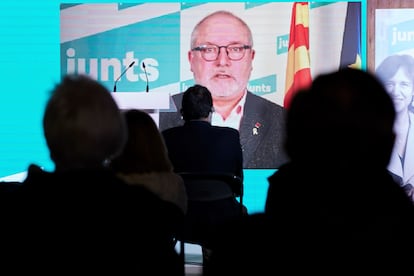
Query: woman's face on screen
point(400, 87)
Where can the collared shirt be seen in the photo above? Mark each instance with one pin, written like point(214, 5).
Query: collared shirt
point(233, 120)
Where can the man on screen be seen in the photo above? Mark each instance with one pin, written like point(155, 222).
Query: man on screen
point(220, 57)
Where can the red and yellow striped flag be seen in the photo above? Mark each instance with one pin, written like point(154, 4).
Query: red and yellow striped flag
point(298, 75)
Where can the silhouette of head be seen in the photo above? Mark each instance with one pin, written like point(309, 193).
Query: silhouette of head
point(197, 103)
point(145, 150)
point(82, 124)
point(344, 119)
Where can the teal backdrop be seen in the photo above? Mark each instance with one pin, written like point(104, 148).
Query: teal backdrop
point(32, 58)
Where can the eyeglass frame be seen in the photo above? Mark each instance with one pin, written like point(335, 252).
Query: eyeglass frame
point(200, 49)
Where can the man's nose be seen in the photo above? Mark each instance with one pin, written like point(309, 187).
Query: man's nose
point(223, 57)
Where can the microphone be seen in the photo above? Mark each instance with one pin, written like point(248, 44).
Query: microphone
point(146, 76)
point(126, 69)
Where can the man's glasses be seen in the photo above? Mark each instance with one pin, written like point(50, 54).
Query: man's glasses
point(211, 52)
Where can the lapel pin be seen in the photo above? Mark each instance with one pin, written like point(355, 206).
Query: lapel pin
point(256, 128)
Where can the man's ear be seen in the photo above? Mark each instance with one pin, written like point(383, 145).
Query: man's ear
point(253, 53)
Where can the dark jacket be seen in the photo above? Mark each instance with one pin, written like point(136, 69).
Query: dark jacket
point(197, 146)
point(90, 221)
point(200, 147)
point(262, 148)
point(316, 221)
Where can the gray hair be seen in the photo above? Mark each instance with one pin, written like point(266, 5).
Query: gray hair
point(194, 33)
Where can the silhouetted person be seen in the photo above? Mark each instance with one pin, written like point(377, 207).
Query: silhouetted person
point(197, 146)
point(144, 160)
point(9, 186)
point(81, 217)
point(334, 208)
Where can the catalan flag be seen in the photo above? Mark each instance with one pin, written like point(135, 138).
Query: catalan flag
point(351, 43)
point(298, 75)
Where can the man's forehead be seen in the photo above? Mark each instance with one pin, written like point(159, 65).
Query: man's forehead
point(224, 28)
point(221, 21)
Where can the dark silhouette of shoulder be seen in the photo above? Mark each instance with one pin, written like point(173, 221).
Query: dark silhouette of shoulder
point(334, 204)
point(90, 220)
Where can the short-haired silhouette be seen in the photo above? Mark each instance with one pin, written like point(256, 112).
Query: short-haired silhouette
point(334, 207)
point(81, 217)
